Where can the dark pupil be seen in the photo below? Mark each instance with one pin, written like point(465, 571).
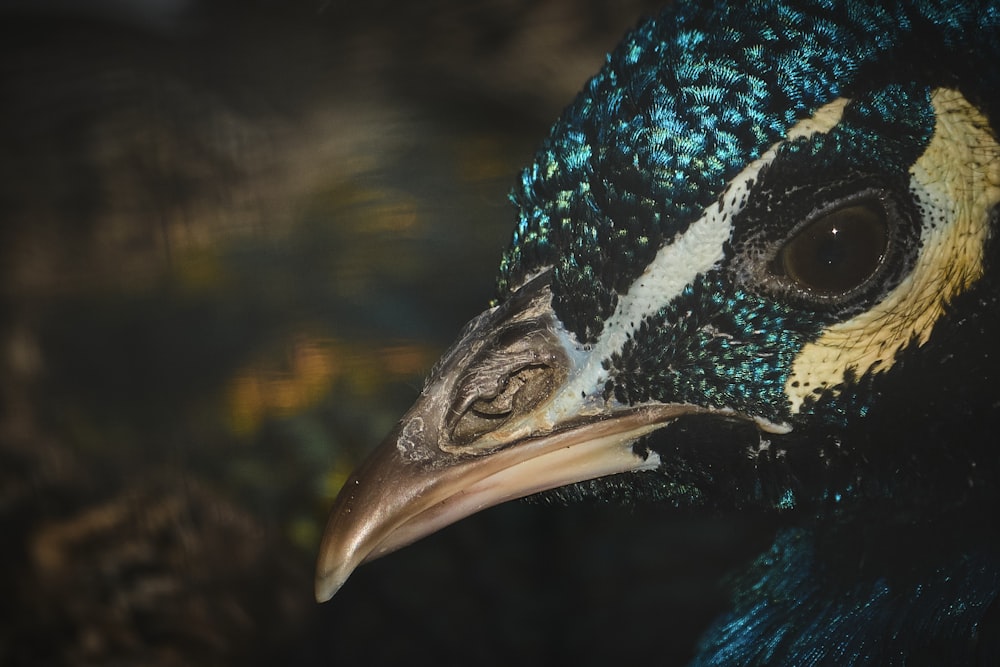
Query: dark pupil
point(837, 252)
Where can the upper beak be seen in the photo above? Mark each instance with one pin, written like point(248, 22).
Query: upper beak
point(494, 422)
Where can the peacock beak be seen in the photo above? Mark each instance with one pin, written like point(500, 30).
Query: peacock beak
point(502, 416)
point(491, 425)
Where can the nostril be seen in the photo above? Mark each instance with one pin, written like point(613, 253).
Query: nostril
point(516, 393)
point(505, 368)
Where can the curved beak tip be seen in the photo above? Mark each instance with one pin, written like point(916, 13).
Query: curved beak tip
point(328, 582)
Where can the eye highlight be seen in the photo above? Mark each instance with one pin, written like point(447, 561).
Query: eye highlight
point(837, 252)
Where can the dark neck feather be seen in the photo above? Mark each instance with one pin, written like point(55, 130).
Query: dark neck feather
point(928, 595)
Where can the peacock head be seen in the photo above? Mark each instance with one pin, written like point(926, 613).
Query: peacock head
point(752, 264)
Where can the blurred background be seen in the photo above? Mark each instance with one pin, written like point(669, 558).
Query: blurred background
point(234, 236)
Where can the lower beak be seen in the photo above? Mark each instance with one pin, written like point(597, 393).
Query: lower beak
point(392, 501)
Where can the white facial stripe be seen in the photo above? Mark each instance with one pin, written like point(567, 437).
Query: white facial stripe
point(956, 183)
point(700, 247)
point(676, 265)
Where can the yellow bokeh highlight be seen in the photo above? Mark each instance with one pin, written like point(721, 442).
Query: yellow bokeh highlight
point(311, 368)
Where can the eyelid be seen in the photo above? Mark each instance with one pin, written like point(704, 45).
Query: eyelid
point(858, 198)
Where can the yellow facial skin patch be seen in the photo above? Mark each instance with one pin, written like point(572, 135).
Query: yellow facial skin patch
point(956, 184)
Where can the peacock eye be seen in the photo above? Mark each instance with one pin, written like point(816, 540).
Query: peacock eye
point(837, 252)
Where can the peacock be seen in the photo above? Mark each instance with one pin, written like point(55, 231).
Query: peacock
point(754, 266)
